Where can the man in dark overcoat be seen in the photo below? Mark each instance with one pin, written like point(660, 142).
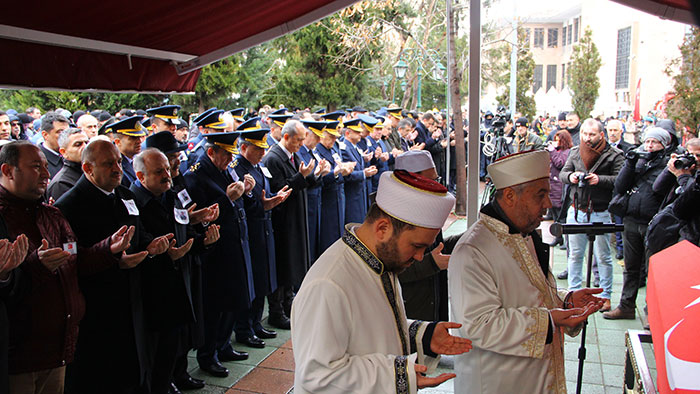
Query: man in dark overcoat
point(289, 219)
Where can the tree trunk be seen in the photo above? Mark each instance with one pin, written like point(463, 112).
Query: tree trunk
point(460, 154)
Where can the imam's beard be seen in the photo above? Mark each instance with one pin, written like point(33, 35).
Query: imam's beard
point(387, 253)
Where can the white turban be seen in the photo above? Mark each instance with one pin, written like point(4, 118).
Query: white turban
point(519, 168)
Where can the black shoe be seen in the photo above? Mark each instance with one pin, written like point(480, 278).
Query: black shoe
point(233, 355)
point(557, 241)
point(281, 322)
point(563, 275)
point(190, 383)
point(214, 369)
point(252, 341)
point(596, 282)
point(174, 389)
point(562, 247)
point(619, 256)
point(264, 333)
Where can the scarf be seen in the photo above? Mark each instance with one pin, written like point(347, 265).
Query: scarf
point(590, 154)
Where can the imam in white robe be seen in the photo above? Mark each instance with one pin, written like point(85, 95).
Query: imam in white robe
point(349, 327)
point(500, 295)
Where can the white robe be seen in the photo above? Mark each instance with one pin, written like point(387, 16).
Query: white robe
point(502, 298)
point(344, 326)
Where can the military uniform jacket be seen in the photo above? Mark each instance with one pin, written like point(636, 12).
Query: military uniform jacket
point(314, 206)
point(129, 176)
point(289, 219)
point(382, 166)
point(227, 277)
point(262, 241)
point(355, 186)
point(167, 295)
point(332, 200)
point(113, 325)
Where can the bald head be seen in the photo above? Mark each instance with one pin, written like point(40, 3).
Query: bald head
point(102, 164)
point(88, 124)
point(96, 148)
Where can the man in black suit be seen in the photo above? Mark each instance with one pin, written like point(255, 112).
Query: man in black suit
point(112, 330)
point(227, 277)
point(614, 129)
point(71, 143)
point(52, 124)
point(167, 296)
point(289, 219)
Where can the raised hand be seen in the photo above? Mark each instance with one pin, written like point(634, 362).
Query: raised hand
point(418, 146)
point(367, 155)
point(370, 171)
point(51, 258)
point(441, 260)
point(423, 381)
point(178, 253)
point(305, 170)
point(248, 183)
point(132, 260)
point(160, 244)
point(325, 167)
point(282, 194)
point(208, 214)
point(583, 297)
point(235, 190)
point(444, 343)
point(121, 240)
point(211, 235)
point(572, 317)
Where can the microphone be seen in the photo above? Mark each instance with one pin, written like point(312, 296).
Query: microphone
point(596, 228)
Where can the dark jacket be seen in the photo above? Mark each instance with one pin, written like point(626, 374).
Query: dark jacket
point(424, 285)
point(167, 297)
point(637, 179)
point(557, 159)
point(54, 160)
point(355, 186)
point(624, 146)
point(113, 297)
point(289, 219)
point(227, 276)
point(44, 325)
point(531, 141)
point(13, 290)
point(262, 239)
point(671, 187)
point(606, 167)
point(332, 200)
point(129, 175)
point(686, 208)
point(314, 204)
point(64, 179)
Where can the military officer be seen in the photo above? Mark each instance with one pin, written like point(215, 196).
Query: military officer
point(128, 134)
point(307, 152)
point(276, 120)
point(355, 186)
point(164, 118)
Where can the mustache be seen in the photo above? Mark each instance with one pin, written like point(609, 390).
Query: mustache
point(165, 180)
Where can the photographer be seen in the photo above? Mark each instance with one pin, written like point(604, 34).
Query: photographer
point(642, 166)
point(678, 174)
point(590, 171)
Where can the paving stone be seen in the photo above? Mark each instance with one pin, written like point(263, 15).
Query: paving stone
point(613, 354)
point(611, 337)
point(236, 372)
point(267, 381)
point(586, 388)
point(613, 375)
point(591, 372)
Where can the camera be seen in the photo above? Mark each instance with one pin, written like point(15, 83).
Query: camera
point(499, 120)
point(635, 154)
point(582, 181)
point(686, 160)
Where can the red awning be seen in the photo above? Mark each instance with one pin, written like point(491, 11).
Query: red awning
point(138, 46)
point(675, 10)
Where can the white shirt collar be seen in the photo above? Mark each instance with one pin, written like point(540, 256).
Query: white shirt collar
point(289, 154)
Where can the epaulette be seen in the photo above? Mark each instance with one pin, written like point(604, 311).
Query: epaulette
point(195, 166)
point(233, 164)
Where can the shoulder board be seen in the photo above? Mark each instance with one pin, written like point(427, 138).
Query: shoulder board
point(233, 164)
point(195, 166)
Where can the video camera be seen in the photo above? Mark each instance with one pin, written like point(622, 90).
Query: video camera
point(635, 154)
point(499, 121)
point(685, 160)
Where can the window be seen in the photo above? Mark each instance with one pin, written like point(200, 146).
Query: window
point(537, 78)
point(568, 35)
point(539, 38)
point(576, 29)
point(551, 76)
point(563, 76)
point(527, 38)
point(622, 65)
point(563, 35)
point(552, 38)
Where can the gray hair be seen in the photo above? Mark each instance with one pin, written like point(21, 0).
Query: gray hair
point(291, 127)
point(406, 122)
point(140, 159)
point(65, 136)
point(49, 118)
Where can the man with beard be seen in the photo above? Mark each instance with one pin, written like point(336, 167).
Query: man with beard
point(504, 294)
point(71, 143)
point(350, 330)
point(590, 171)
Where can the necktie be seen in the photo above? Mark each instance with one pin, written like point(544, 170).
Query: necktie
point(291, 159)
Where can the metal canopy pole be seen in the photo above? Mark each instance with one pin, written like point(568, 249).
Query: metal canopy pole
point(474, 93)
point(448, 16)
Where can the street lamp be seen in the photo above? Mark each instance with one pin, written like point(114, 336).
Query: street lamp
point(412, 55)
point(400, 69)
point(439, 71)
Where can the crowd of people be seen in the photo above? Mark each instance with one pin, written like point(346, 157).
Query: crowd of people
point(152, 236)
point(129, 240)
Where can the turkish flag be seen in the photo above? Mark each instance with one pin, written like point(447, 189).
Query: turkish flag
point(637, 115)
point(673, 299)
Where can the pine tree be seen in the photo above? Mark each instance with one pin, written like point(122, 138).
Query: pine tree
point(583, 75)
point(685, 106)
